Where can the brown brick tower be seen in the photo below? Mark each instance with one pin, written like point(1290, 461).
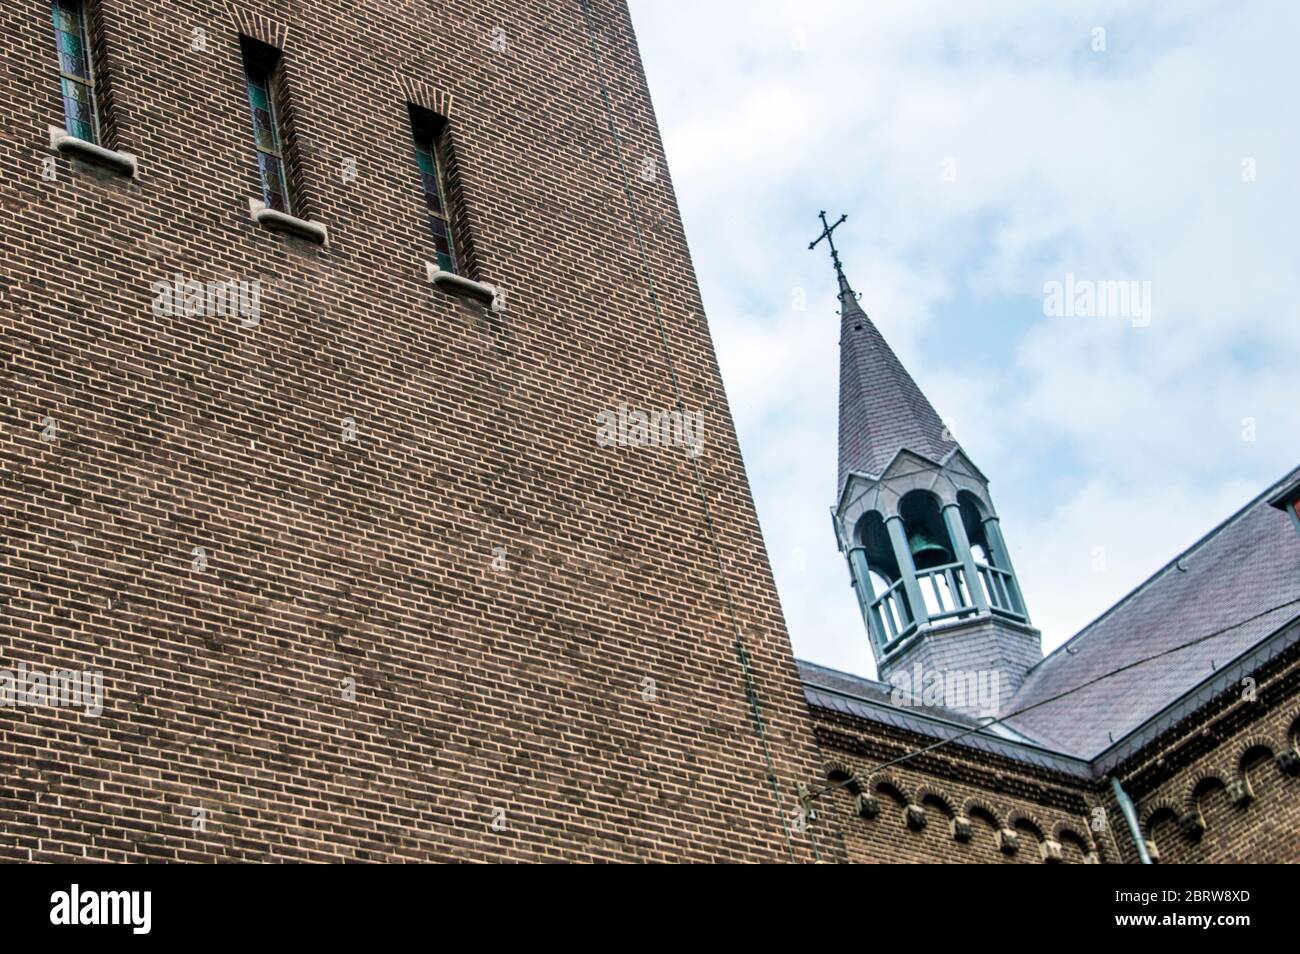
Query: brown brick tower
point(362, 429)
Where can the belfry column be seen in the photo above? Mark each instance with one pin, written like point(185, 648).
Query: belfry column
point(907, 569)
point(957, 531)
point(1002, 557)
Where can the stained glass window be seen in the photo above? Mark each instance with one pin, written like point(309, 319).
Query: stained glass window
point(78, 85)
point(258, 67)
point(432, 180)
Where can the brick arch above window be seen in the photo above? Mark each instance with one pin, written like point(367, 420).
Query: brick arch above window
point(422, 94)
point(1158, 812)
point(891, 786)
point(1021, 820)
point(842, 776)
point(984, 811)
point(258, 26)
point(1204, 782)
point(933, 798)
point(1252, 751)
point(1068, 834)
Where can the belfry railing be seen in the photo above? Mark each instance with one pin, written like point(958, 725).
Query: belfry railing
point(946, 594)
point(944, 590)
point(1000, 590)
point(891, 615)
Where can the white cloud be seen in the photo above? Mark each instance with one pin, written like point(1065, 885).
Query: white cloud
point(1123, 164)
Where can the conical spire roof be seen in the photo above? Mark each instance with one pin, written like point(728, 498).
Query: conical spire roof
point(882, 411)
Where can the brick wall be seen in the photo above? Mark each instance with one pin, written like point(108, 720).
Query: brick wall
point(1005, 811)
point(1213, 789)
point(536, 627)
point(1222, 786)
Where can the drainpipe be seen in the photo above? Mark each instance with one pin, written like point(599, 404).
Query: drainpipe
point(1130, 816)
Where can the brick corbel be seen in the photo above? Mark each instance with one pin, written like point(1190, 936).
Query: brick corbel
point(1192, 824)
point(1288, 761)
point(866, 805)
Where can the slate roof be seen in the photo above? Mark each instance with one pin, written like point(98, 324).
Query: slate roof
point(836, 691)
point(865, 690)
point(881, 408)
point(1238, 571)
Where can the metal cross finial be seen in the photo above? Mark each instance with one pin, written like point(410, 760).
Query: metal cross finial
point(827, 229)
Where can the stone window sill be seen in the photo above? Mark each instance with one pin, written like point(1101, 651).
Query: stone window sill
point(122, 163)
point(463, 287)
point(289, 224)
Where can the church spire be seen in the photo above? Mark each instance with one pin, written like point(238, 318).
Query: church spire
point(882, 411)
point(914, 518)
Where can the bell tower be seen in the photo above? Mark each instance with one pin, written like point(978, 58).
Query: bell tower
point(914, 519)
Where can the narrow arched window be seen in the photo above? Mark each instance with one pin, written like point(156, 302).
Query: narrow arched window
point(265, 101)
point(431, 159)
point(927, 536)
point(889, 616)
point(874, 539)
point(76, 72)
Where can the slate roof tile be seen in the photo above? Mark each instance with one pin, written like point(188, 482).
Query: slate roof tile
point(881, 408)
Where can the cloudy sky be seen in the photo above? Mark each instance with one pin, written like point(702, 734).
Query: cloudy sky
point(981, 150)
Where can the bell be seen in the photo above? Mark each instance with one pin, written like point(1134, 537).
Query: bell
point(927, 553)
